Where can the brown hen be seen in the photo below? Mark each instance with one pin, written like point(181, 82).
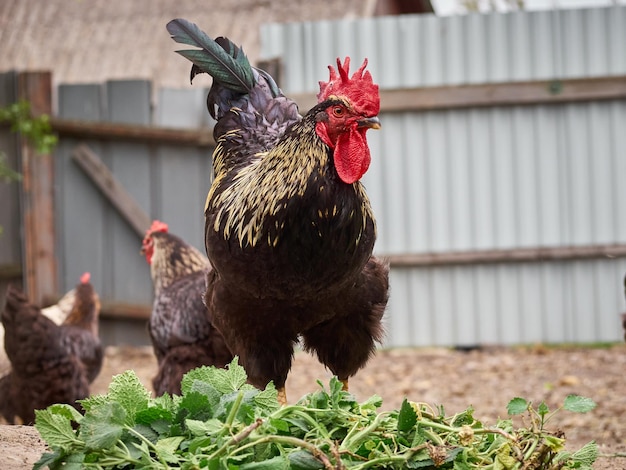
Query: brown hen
point(50, 363)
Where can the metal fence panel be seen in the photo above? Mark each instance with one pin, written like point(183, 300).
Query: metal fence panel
point(169, 182)
point(425, 50)
point(505, 177)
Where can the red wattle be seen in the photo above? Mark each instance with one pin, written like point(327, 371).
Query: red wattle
point(352, 156)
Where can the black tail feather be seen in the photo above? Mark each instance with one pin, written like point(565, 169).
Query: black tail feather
point(220, 58)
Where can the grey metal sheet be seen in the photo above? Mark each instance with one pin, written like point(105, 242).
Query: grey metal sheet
point(80, 208)
point(129, 102)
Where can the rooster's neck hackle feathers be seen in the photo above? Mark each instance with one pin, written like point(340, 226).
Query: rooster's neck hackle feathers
point(299, 161)
point(173, 259)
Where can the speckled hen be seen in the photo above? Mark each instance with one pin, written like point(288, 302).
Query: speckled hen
point(179, 326)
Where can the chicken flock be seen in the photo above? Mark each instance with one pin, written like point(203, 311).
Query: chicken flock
point(289, 234)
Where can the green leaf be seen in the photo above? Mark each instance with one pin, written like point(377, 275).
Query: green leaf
point(303, 460)
point(127, 390)
point(517, 406)
point(48, 460)
point(556, 444)
point(543, 409)
point(578, 404)
point(146, 431)
point(167, 402)
point(224, 381)
point(68, 411)
point(153, 414)
point(279, 425)
point(587, 454)
point(230, 379)
point(56, 429)
point(92, 401)
point(203, 374)
point(194, 405)
point(167, 447)
point(267, 400)
point(407, 418)
point(505, 458)
point(276, 463)
point(372, 403)
point(103, 426)
point(204, 428)
point(464, 418)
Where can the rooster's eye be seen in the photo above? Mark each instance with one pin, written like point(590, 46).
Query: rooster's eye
point(338, 111)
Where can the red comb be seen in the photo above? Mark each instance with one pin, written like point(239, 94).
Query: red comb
point(157, 226)
point(360, 88)
point(84, 279)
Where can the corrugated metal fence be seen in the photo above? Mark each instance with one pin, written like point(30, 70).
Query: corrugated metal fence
point(489, 178)
point(460, 189)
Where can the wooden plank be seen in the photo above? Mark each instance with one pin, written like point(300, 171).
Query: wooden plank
point(507, 256)
point(409, 99)
point(132, 133)
point(493, 94)
point(125, 310)
point(111, 188)
point(37, 196)
point(10, 272)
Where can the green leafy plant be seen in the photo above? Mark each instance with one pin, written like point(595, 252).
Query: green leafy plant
point(36, 130)
point(221, 422)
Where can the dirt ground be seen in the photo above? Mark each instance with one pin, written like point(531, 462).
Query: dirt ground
point(485, 379)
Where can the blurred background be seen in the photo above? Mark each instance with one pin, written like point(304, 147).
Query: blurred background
point(496, 179)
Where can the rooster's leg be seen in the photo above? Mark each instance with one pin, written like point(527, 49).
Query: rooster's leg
point(345, 385)
point(282, 396)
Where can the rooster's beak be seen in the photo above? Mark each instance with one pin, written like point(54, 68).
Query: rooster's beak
point(371, 123)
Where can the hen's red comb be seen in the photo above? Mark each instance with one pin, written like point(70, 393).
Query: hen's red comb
point(84, 279)
point(360, 89)
point(157, 226)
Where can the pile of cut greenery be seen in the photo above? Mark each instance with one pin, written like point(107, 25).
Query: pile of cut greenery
point(221, 422)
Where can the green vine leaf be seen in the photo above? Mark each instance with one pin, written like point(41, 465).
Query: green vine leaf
point(578, 404)
point(517, 406)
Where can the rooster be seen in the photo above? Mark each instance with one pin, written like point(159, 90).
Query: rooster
point(179, 326)
point(50, 363)
point(289, 229)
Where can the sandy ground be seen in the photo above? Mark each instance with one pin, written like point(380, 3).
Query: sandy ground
point(485, 379)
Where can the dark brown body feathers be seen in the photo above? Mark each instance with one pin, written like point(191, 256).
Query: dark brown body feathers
point(291, 247)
